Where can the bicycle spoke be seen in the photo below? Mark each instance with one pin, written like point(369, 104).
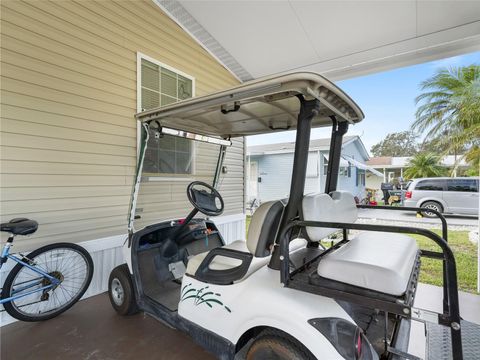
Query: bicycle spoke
point(65, 264)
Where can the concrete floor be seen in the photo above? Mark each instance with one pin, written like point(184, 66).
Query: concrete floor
point(429, 297)
point(92, 330)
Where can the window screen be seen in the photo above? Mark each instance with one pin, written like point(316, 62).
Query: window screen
point(168, 155)
point(432, 185)
point(161, 87)
point(464, 185)
point(360, 180)
point(345, 171)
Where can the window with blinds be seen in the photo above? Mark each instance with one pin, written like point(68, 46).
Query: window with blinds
point(161, 86)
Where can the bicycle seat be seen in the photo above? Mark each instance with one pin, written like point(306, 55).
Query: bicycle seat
point(20, 226)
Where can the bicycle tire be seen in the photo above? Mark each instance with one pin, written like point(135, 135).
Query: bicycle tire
point(11, 308)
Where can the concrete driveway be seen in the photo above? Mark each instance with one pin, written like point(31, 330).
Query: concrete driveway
point(455, 222)
point(92, 330)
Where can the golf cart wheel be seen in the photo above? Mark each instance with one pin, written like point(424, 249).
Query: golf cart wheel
point(274, 345)
point(121, 291)
point(431, 205)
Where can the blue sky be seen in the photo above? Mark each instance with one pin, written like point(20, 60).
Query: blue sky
point(386, 98)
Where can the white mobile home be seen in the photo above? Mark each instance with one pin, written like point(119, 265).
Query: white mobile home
point(269, 168)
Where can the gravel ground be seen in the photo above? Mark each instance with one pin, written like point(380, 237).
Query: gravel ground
point(419, 224)
point(404, 218)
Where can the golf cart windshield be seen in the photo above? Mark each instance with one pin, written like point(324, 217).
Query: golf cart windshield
point(170, 163)
point(201, 129)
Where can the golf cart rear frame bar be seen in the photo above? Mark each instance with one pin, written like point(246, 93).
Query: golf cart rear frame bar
point(450, 318)
point(425, 253)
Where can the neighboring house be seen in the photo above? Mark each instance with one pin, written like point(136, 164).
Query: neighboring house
point(393, 167)
point(73, 76)
point(269, 168)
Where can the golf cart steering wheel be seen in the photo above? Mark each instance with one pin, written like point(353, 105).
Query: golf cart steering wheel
point(208, 202)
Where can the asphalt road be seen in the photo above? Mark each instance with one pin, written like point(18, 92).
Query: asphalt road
point(410, 217)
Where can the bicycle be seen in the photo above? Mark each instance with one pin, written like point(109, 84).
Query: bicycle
point(369, 199)
point(253, 205)
point(46, 282)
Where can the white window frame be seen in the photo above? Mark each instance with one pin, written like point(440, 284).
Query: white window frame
point(160, 177)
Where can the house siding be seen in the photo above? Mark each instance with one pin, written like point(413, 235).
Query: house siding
point(68, 135)
point(350, 183)
point(275, 171)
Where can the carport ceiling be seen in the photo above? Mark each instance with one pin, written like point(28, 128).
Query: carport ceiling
point(340, 39)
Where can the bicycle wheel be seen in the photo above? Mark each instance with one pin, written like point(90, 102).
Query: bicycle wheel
point(69, 263)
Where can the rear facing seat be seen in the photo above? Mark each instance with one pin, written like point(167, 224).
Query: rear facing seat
point(373, 260)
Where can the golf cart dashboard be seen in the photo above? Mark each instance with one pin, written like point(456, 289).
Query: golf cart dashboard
point(198, 236)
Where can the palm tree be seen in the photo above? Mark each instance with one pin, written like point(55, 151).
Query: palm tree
point(424, 165)
point(449, 109)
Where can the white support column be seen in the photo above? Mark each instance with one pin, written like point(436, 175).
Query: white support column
point(320, 170)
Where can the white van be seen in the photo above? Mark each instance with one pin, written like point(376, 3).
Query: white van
point(445, 195)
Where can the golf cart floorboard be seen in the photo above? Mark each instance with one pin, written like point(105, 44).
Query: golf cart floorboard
point(439, 345)
point(167, 294)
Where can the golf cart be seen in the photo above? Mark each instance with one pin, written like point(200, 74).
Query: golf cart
point(280, 294)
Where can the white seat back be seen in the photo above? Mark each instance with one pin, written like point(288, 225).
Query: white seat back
point(263, 228)
point(339, 206)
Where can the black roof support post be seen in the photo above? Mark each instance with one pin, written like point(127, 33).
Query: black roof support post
point(338, 130)
point(218, 169)
point(308, 110)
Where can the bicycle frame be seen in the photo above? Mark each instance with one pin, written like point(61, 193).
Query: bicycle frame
point(30, 283)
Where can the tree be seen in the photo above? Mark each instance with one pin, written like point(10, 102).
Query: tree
point(396, 144)
point(439, 145)
point(424, 165)
point(449, 109)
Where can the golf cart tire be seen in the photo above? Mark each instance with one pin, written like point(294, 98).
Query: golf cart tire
point(127, 305)
point(274, 344)
point(436, 204)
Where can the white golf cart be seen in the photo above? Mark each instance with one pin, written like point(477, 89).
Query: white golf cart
point(280, 294)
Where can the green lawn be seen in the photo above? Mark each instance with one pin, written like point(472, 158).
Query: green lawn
point(465, 255)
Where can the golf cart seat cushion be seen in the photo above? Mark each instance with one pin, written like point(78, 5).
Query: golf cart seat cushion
point(220, 262)
point(339, 206)
point(263, 228)
point(373, 260)
point(261, 235)
point(224, 263)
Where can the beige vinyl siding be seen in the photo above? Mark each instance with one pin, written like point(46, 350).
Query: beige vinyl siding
point(68, 96)
point(167, 200)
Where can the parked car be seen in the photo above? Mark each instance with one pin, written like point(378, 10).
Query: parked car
point(446, 195)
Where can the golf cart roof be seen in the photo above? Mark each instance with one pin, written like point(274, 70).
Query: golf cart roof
point(256, 107)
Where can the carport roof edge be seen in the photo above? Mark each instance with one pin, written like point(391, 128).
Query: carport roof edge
point(256, 107)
